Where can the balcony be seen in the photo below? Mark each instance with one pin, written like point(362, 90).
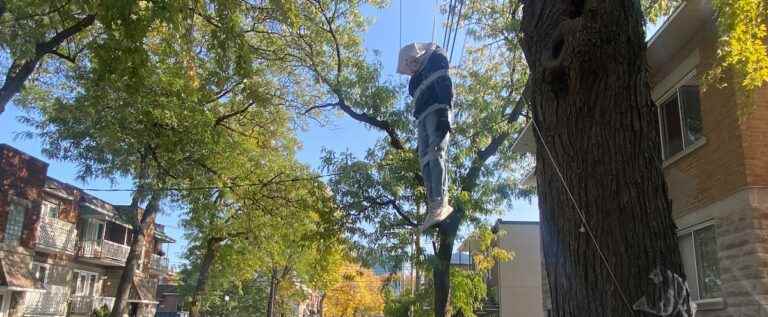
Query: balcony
point(45, 303)
point(158, 264)
point(85, 305)
point(56, 236)
point(104, 252)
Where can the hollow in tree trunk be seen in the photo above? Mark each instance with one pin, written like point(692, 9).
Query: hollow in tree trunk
point(589, 95)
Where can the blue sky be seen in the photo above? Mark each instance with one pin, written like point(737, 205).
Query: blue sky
point(343, 134)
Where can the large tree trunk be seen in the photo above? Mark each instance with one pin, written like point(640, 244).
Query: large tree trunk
point(134, 256)
point(589, 94)
point(441, 268)
point(274, 283)
point(211, 251)
point(321, 306)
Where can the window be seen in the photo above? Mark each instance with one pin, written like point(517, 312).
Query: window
point(41, 272)
point(85, 283)
point(50, 209)
point(700, 261)
point(680, 118)
point(15, 223)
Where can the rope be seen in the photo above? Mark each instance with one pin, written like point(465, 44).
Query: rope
point(583, 220)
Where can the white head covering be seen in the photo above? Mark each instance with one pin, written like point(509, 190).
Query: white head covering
point(413, 56)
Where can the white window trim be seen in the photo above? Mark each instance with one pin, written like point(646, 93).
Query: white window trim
point(76, 276)
point(44, 212)
point(671, 89)
point(47, 271)
point(708, 303)
point(688, 150)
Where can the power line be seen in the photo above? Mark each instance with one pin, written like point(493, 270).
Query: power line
point(401, 24)
point(587, 228)
point(197, 188)
point(448, 23)
point(434, 20)
point(456, 30)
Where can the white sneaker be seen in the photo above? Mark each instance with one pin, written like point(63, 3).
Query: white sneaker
point(436, 215)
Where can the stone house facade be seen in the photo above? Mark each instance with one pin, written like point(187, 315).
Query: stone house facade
point(62, 251)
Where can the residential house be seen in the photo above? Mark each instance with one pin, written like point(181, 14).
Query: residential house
point(514, 287)
point(63, 251)
point(715, 164)
point(170, 301)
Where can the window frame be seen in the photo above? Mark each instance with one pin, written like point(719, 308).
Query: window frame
point(35, 267)
point(77, 274)
point(50, 203)
point(23, 206)
point(674, 92)
point(690, 231)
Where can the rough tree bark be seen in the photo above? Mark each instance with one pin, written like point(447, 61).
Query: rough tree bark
point(211, 251)
point(21, 69)
point(589, 94)
point(274, 283)
point(134, 256)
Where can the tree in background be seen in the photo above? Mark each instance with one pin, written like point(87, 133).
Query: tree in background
point(162, 116)
point(356, 294)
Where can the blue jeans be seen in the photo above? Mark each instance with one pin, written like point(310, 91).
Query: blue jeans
point(432, 144)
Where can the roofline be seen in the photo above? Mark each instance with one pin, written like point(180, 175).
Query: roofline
point(30, 156)
point(75, 187)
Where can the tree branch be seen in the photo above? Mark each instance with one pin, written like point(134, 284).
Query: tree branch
point(394, 137)
point(17, 76)
point(401, 213)
point(327, 105)
point(71, 59)
point(469, 180)
point(225, 117)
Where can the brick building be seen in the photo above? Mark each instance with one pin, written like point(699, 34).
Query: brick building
point(715, 164)
point(62, 251)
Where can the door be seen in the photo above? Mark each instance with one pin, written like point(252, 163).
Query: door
point(5, 298)
point(134, 310)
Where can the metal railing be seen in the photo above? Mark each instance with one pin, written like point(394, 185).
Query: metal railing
point(57, 235)
point(87, 304)
point(46, 303)
point(158, 263)
point(104, 249)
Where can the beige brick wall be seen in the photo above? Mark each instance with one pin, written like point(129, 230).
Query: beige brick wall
point(754, 130)
point(731, 154)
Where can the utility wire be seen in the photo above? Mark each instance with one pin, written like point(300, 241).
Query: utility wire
point(196, 188)
point(401, 24)
point(434, 20)
point(456, 30)
point(448, 23)
point(583, 219)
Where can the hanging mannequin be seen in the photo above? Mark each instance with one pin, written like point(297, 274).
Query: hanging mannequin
point(432, 92)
